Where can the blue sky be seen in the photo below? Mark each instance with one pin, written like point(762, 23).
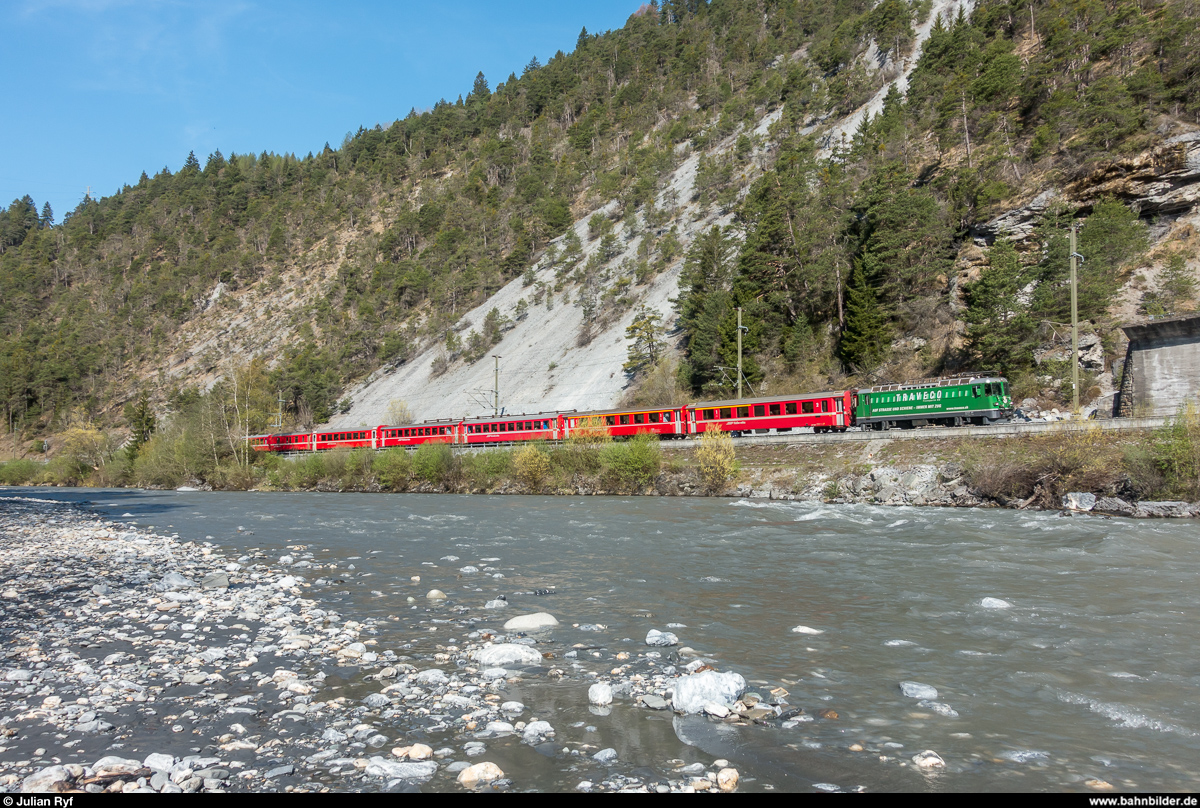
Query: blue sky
point(108, 88)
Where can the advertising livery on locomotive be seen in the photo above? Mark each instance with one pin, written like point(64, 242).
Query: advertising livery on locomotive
point(960, 400)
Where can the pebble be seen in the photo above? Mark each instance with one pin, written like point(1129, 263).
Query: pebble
point(479, 774)
point(661, 639)
point(531, 622)
point(600, 693)
point(928, 760)
point(727, 779)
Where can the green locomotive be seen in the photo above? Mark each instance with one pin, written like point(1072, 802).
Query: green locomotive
point(956, 401)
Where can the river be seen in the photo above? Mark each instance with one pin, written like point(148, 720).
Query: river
point(1062, 650)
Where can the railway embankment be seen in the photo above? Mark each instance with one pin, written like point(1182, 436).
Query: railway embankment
point(1150, 469)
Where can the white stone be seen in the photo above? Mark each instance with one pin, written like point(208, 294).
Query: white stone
point(403, 770)
point(917, 690)
point(530, 622)
point(1079, 501)
point(537, 729)
point(716, 710)
point(929, 759)
point(600, 693)
point(691, 692)
point(507, 654)
point(661, 639)
point(512, 707)
point(433, 676)
point(496, 604)
point(435, 594)
point(807, 630)
point(995, 603)
point(159, 762)
point(287, 582)
point(173, 580)
point(40, 781)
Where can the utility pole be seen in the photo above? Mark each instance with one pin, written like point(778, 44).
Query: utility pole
point(279, 413)
point(1074, 329)
point(740, 329)
point(496, 389)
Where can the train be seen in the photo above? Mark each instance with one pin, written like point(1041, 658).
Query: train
point(959, 400)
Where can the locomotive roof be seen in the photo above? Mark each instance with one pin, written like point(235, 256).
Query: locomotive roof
point(945, 381)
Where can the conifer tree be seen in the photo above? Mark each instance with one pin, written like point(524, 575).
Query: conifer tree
point(646, 332)
point(47, 216)
point(866, 334)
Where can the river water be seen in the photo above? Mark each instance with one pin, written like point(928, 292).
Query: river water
point(1063, 650)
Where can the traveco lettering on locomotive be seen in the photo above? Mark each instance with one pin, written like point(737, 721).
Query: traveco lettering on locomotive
point(967, 398)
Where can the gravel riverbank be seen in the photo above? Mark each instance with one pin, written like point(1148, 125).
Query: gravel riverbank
point(135, 661)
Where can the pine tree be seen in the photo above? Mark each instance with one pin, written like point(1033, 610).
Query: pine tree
point(142, 424)
point(191, 165)
point(47, 216)
point(866, 333)
point(647, 334)
point(481, 91)
point(1000, 328)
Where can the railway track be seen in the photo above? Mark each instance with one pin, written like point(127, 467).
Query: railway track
point(1007, 430)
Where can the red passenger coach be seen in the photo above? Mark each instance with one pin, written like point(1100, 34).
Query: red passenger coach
point(350, 439)
point(541, 426)
point(416, 434)
point(824, 412)
point(662, 421)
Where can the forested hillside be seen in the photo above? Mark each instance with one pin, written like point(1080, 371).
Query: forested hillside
point(853, 259)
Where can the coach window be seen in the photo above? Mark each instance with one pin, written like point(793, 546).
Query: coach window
point(824, 405)
point(610, 420)
point(759, 410)
point(807, 407)
point(708, 415)
point(624, 419)
point(838, 404)
point(743, 412)
point(774, 409)
point(639, 418)
point(666, 417)
point(790, 408)
point(726, 412)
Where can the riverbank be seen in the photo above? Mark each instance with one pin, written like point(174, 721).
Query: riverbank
point(134, 661)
